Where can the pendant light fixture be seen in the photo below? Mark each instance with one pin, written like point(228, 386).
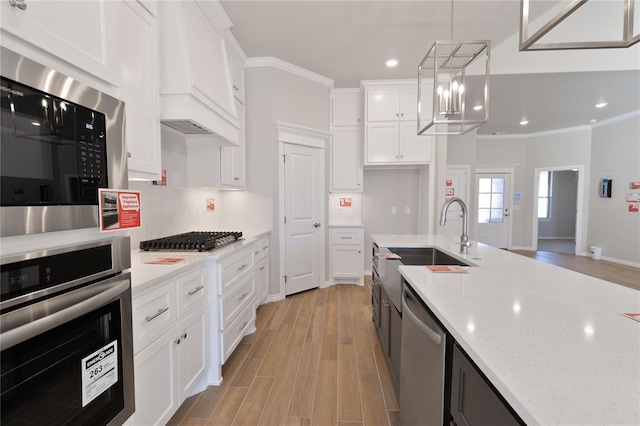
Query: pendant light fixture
point(445, 106)
point(532, 42)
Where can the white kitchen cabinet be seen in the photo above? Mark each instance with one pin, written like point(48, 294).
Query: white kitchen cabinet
point(391, 127)
point(346, 159)
point(346, 107)
point(237, 59)
point(232, 158)
point(170, 345)
point(261, 253)
point(347, 255)
point(83, 34)
point(139, 89)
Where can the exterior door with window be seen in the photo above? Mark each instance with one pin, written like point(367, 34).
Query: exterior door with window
point(493, 208)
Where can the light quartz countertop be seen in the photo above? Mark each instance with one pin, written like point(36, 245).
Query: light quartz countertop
point(145, 275)
point(552, 341)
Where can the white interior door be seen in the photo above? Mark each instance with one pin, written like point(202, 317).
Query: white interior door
point(303, 192)
point(456, 185)
point(493, 208)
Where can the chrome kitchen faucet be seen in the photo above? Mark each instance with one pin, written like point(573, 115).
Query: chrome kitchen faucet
point(464, 238)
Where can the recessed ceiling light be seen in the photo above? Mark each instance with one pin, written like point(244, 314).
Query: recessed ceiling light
point(593, 120)
point(602, 104)
point(524, 122)
point(477, 107)
point(391, 62)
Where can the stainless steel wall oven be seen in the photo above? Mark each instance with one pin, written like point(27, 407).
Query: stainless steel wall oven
point(60, 141)
point(66, 335)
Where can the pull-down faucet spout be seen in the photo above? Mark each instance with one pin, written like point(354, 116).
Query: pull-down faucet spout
point(464, 238)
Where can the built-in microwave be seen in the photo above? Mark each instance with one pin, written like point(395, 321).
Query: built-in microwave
point(60, 142)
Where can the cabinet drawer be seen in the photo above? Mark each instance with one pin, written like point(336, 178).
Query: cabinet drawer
point(347, 236)
point(236, 330)
point(233, 302)
point(153, 314)
point(192, 292)
point(235, 267)
point(261, 249)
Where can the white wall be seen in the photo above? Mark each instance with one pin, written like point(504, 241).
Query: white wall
point(384, 189)
point(615, 147)
point(562, 219)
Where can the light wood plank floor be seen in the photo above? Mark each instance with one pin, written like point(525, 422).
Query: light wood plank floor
point(608, 271)
point(315, 359)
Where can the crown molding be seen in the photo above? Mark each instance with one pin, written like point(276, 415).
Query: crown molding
point(301, 135)
point(615, 119)
point(270, 61)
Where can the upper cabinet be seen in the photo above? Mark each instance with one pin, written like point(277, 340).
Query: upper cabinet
point(390, 131)
point(232, 159)
point(237, 60)
point(346, 107)
point(82, 33)
point(196, 93)
point(139, 89)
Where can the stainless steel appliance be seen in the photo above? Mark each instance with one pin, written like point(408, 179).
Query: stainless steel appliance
point(60, 141)
point(66, 335)
point(200, 241)
point(422, 381)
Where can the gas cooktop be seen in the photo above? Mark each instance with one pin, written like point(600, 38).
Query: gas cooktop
point(200, 241)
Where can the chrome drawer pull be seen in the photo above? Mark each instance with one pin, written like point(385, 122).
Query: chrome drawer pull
point(157, 314)
point(243, 325)
point(345, 238)
point(242, 267)
point(265, 247)
point(195, 290)
point(243, 296)
point(262, 269)
point(20, 4)
point(257, 252)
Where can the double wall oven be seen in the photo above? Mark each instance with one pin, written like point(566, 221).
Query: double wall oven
point(65, 311)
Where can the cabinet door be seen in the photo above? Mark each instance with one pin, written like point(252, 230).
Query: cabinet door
point(262, 281)
point(193, 350)
point(139, 89)
point(346, 108)
point(409, 103)
point(395, 340)
point(82, 33)
point(346, 160)
point(473, 402)
point(383, 105)
point(232, 158)
point(382, 143)
point(385, 320)
point(413, 148)
point(346, 261)
point(237, 77)
point(157, 390)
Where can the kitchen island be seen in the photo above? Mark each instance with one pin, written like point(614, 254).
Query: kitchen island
point(551, 341)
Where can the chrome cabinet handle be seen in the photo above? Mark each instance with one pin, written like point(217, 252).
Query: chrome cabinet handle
point(257, 252)
point(243, 296)
point(385, 303)
point(243, 325)
point(157, 314)
point(129, 154)
point(262, 269)
point(177, 341)
point(20, 4)
point(242, 267)
point(402, 114)
point(184, 336)
point(195, 290)
point(265, 247)
point(345, 238)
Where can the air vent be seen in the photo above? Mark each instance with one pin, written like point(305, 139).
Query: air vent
point(187, 127)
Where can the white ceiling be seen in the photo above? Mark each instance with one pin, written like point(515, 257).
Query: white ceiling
point(349, 41)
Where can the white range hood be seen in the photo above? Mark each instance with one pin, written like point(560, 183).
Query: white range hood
point(196, 96)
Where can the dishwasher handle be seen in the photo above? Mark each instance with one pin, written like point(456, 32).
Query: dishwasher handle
point(424, 328)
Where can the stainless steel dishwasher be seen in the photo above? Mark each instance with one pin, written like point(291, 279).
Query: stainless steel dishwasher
point(422, 379)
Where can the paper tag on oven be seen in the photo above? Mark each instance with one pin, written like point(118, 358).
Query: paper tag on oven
point(99, 372)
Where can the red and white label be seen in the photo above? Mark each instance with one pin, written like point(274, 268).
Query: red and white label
point(119, 209)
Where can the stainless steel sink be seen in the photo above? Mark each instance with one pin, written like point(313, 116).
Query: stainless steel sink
point(426, 256)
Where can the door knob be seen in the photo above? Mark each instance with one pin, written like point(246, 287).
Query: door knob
point(316, 225)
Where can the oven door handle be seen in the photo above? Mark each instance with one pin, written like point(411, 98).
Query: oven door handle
point(25, 323)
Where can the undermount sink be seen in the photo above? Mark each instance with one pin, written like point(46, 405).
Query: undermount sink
point(426, 256)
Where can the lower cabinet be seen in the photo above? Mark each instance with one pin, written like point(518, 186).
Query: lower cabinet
point(347, 255)
point(170, 325)
point(390, 332)
point(473, 401)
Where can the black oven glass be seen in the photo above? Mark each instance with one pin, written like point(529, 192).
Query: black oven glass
point(53, 152)
point(42, 377)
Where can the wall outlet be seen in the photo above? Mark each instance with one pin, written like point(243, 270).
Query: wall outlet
point(407, 210)
point(394, 210)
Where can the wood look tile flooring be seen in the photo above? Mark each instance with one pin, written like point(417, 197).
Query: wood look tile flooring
point(315, 359)
point(614, 272)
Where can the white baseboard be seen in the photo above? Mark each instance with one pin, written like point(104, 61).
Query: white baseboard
point(621, 261)
point(367, 272)
point(275, 298)
point(556, 238)
point(521, 248)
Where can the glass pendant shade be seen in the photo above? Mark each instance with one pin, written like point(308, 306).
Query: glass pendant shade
point(453, 87)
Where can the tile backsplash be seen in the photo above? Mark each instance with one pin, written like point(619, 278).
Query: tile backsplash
point(340, 213)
